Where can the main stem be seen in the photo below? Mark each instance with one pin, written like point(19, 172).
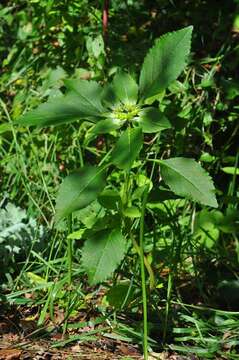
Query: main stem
point(143, 280)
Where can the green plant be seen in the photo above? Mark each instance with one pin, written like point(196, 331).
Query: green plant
point(124, 112)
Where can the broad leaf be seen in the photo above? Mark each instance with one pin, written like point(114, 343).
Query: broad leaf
point(64, 109)
point(187, 178)
point(125, 88)
point(89, 92)
point(164, 62)
point(152, 120)
point(127, 148)
point(78, 190)
point(102, 253)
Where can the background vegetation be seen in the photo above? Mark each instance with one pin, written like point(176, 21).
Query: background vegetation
point(194, 251)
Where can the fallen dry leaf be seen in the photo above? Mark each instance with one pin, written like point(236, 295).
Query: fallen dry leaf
point(10, 354)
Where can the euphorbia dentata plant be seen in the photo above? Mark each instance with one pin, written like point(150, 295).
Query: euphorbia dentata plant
point(122, 107)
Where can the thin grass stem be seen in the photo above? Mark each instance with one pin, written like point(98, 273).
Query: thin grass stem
point(69, 250)
point(143, 279)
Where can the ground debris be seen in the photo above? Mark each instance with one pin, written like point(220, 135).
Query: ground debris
point(10, 354)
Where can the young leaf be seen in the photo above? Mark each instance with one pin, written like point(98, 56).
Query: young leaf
point(64, 109)
point(105, 126)
point(127, 148)
point(164, 62)
point(152, 120)
point(125, 88)
point(230, 170)
point(102, 253)
point(187, 178)
point(109, 98)
point(132, 212)
point(78, 190)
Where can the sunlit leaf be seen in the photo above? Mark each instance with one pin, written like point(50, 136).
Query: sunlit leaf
point(78, 190)
point(164, 62)
point(127, 148)
point(187, 178)
point(67, 108)
point(102, 253)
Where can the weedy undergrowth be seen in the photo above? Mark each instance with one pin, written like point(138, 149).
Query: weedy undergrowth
point(126, 110)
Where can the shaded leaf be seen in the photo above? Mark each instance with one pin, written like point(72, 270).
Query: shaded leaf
point(105, 126)
point(120, 295)
point(109, 98)
point(109, 199)
point(152, 120)
point(206, 230)
point(160, 195)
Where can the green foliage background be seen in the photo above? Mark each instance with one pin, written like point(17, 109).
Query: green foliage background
point(41, 44)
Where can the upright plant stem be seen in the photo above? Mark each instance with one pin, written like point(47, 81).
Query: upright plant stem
point(105, 18)
point(143, 280)
point(69, 250)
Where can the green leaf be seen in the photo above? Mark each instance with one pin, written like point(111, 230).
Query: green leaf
point(132, 212)
point(78, 190)
point(90, 94)
point(102, 253)
point(187, 178)
point(68, 108)
point(231, 170)
point(90, 214)
point(76, 235)
point(109, 98)
point(125, 88)
point(127, 148)
point(5, 128)
point(152, 120)
point(206, 230)
point(120, 295)
point(164, 62)
point(109, 199)
point(105, 126)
